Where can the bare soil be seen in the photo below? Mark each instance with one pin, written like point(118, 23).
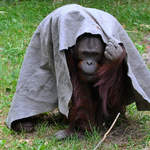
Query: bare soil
point(146, 55)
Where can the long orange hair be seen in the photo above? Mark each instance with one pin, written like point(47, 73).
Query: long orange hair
point(111, 77)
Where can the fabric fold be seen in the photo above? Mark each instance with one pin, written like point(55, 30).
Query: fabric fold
point(44, 80)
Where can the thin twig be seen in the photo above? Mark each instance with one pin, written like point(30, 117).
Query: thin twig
point(105, 135)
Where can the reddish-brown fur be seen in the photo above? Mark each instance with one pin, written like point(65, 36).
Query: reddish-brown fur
point(92, 103)
point(112, 76)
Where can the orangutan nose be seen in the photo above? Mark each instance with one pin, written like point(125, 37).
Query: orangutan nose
point(89, 62)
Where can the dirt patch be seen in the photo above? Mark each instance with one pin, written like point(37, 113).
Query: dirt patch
point(121, 134)
point(146, 55)
point(127, 132)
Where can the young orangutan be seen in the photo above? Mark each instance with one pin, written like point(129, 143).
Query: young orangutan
point(99, 79)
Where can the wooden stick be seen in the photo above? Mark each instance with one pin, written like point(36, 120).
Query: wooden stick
point(105, 135)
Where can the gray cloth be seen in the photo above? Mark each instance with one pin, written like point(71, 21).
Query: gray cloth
point(44, 81)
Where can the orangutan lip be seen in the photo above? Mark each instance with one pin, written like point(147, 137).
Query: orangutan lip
point(89, 76)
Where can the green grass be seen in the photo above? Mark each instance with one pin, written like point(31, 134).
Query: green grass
point(18, 21)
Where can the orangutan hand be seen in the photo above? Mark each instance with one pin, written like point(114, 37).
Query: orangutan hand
point(113, 50)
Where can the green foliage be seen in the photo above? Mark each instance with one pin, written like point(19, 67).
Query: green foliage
point(18, 21)
point(141, 48)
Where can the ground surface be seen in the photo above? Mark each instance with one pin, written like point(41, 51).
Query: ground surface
point(18, 21)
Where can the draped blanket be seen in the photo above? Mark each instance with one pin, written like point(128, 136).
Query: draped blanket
point(44, 82)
